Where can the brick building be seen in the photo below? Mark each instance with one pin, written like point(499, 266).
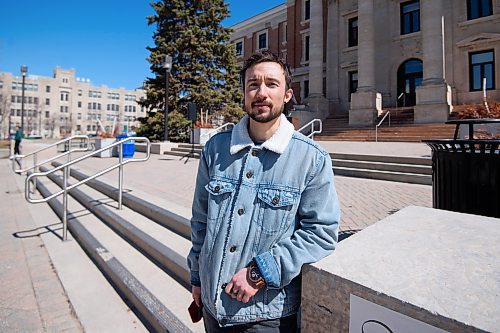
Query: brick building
point(356, 57)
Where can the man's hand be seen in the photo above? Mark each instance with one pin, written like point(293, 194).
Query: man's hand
point(196, 292)
point(240, 287)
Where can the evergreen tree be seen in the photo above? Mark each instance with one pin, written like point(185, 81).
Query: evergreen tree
point(204, 69)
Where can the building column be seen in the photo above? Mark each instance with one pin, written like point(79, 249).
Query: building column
point(434, 95)
point(332, 57)
point(317, 102)
point(366, 103)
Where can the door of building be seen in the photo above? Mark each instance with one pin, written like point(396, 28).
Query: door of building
point(410, 75)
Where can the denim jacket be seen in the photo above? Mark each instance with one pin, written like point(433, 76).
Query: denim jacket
point(273, 203)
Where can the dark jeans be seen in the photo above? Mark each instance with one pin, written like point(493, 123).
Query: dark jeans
point(16, 147)
point(280, 325)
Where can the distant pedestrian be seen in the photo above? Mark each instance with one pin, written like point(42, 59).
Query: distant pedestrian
point(18, 138)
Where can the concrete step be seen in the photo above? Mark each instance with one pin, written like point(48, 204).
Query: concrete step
point(414, 170)
point(187, 150)
point(383, 159)
point(383, 175)
point(391, 167)
point(151, 276)
point(190, 146)
point(182, 154)
point(175, 218)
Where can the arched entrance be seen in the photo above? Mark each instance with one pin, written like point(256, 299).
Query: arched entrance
point(410, 75)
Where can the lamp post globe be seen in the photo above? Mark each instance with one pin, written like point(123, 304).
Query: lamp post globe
point(167, 65)
point(24, 72)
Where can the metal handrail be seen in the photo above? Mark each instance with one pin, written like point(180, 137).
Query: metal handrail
point(65, 168)
point(313, 131)
point(85, 139)
point(388, 113)
point(216, 130)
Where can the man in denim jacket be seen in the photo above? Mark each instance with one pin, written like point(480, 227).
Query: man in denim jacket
point(265, 204)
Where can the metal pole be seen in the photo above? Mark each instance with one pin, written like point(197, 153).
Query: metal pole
point(120, 177)
point(35, 170)
point(65, 204)
point(165, 137)
point(22, 104)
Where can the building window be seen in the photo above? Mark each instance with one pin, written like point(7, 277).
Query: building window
point(306, 88)
point(307, 10)
point(353, 84)
point(95, 94)
point(47, 89)
point(79, 104)
point(482, 66)
point(478, 8)
point(285, 31)
point(410, 17)
point(239, 49)
point(262, 41)
point(353, 32)
point(47, 114)
point(47, 101)
point(80, 92)
point(79, 116)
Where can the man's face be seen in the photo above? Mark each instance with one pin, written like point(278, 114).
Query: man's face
point(265, 91)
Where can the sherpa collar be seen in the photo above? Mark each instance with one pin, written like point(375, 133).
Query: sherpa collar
point(277, 143)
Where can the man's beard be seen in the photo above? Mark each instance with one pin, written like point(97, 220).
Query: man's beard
point(261, 118)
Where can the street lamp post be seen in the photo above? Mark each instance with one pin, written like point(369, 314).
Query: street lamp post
point(167, 65)
point(24, 71)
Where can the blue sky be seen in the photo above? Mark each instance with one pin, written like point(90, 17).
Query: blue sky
point(104, 41)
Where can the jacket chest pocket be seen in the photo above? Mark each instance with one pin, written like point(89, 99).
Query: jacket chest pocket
point(219, 198)
point(276, 208)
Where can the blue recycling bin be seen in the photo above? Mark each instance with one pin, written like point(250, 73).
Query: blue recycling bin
point(128, 147)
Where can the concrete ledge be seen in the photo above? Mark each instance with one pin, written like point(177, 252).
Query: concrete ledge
point(435, 269)
point(156, 147)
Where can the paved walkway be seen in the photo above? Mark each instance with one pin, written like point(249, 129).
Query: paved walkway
point(32, 298)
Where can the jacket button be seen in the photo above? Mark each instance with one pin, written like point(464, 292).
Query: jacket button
point(254, 152)
point(217, 189)
point(241, 211)
point(249, 174)
point(224, 285)
point(276, 200)
point(232, 249)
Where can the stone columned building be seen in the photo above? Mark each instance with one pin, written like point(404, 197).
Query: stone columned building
point(354, 58)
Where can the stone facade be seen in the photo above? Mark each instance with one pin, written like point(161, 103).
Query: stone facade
point(64, 105)
point(329, 61)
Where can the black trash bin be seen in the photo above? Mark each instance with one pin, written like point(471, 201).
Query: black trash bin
point(466, 172)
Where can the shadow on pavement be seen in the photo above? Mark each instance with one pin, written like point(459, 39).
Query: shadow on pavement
point(346, 233)
point(39, 231)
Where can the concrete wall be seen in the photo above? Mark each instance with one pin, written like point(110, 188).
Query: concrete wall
point(433, 268)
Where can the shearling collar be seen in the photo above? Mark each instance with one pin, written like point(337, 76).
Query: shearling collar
point(277, 143)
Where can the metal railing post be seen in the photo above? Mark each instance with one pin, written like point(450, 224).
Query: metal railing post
point(65, 204)
point(36, 170)
point(120, 177)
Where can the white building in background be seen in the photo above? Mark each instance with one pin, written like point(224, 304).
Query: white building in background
point(64, 105)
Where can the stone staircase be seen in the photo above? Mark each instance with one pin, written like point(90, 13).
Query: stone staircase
point(414, 170)
point(402, 129)
point(141, 249)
